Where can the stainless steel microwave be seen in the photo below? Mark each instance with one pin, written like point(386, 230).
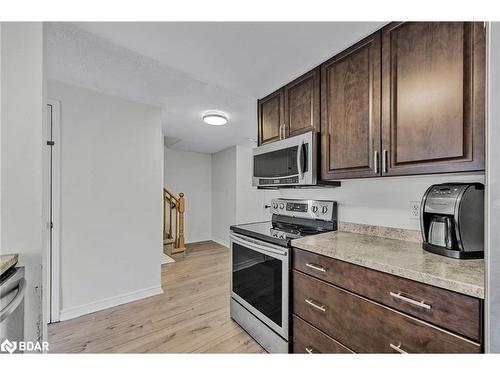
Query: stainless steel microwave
point(289, 162)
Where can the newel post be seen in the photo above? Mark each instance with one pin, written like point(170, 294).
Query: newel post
point(181, 209)
point(164, 215)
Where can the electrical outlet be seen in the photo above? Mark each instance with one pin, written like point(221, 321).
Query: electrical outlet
point(415, 209)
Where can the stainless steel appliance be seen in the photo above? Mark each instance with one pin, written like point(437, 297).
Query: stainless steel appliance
point(291, 162)
point(12, 291)
point(260, 263)
point(452, 220)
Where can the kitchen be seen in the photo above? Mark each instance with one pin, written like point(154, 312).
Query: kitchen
point(335, 193)
point(386, 106)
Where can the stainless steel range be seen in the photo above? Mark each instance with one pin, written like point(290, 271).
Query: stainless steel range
point(260, 263)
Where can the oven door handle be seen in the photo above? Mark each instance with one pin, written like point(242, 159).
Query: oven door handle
point(300, 166)
point(252, 244)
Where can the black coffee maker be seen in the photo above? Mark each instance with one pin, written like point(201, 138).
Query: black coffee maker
point(452, 220)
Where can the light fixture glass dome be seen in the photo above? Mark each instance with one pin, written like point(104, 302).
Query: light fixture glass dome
point(215, 118)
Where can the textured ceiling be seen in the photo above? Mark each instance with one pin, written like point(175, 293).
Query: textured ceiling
point(187, 68)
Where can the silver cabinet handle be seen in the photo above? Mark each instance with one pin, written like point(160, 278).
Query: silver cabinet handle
point(375, 161)
point(316, 267)
point(309, 349)
point(315, 305)
point(384, 161)
point(397, 348)
point(282, 131)
point(411, 301)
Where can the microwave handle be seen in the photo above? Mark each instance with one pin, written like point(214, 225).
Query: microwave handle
point(300, 166)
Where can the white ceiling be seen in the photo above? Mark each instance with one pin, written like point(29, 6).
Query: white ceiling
point(189, 67)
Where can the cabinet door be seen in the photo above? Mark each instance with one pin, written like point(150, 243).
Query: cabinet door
point(433, 77)
point(271, 117)
point(302, 104)
point(350, 112)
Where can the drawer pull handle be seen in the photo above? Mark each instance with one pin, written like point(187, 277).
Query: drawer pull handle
point(315, 305)
point(309, 349)
point(409, 300)
point(397, 348)
point(316, 267)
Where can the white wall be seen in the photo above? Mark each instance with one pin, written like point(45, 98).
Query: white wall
point(191, 174)
point(111, 199)
point(379, 201)
point(22, 120)
point(223, 194)
point(249, 200)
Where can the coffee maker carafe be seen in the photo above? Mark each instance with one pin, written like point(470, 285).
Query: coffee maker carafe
point(452, 220)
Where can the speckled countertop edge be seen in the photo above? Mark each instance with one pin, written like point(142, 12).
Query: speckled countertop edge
point(401, 258)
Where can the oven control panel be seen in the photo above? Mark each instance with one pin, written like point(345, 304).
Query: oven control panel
point(307, 208)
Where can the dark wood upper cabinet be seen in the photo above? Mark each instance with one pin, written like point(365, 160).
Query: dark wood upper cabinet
point(270, 117)
point(302, 104)
point(350, 112)
point(407, 100)
point(433, 103)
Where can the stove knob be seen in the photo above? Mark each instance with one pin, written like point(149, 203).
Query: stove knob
point(314, 209)
point(275, 205)
point(282, 206)
point(324, 210)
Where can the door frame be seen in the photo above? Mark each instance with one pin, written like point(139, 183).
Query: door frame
point(492, 209)
point(53, 255)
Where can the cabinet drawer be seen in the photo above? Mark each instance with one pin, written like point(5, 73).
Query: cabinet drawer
point(308, 339)
point(368, 327)
point(454, 311)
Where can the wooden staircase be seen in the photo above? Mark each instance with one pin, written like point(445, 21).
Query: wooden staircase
point(173, 222)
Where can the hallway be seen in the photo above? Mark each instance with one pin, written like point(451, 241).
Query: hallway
point(191, 316)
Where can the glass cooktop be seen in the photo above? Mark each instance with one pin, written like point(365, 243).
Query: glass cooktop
point(275, 232)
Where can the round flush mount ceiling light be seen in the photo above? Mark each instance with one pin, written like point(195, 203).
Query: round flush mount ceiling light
point(215, 118)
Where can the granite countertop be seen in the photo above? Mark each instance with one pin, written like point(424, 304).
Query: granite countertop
point(7, 261)
point(401, 258)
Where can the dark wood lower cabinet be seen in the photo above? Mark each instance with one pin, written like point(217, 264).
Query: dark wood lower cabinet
point(452, 311)
point(365, 326)
point(308, 339)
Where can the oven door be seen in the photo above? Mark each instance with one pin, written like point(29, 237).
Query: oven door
point(291, 161)
point(259, 280)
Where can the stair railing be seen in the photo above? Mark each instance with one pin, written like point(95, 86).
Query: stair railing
point(175, 206)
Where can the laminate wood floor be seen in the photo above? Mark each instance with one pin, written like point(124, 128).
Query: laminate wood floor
point(191, 316)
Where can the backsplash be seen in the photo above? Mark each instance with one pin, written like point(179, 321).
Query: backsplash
point(377, 201)
point(378, 231)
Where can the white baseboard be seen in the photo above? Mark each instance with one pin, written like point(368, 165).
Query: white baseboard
point(106, 303)
point(221, 242)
